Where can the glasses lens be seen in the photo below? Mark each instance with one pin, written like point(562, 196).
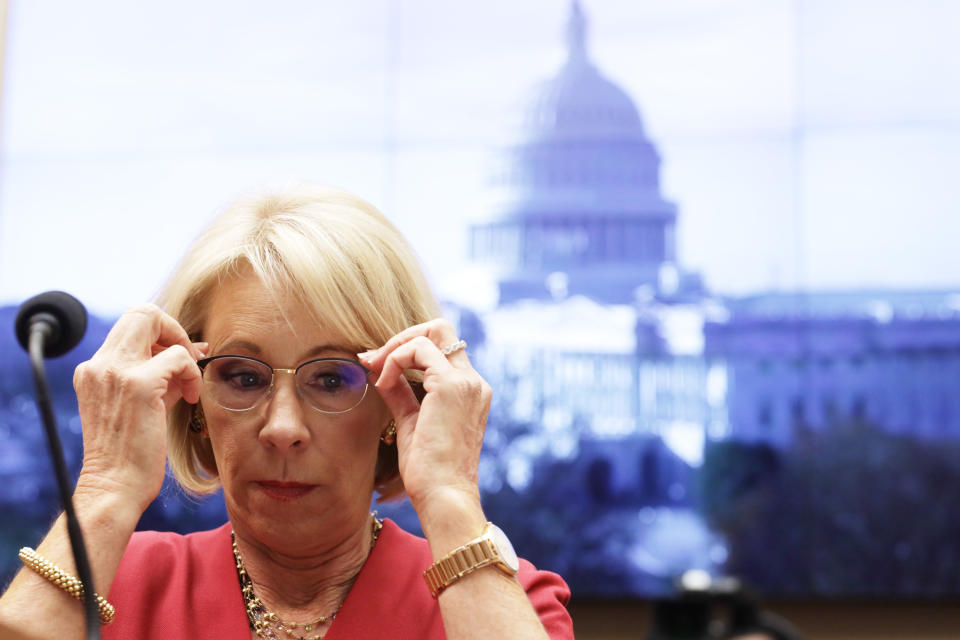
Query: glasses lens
point(331, 385)
point(237, 383)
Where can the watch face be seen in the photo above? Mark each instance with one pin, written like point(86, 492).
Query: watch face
point(504, 548)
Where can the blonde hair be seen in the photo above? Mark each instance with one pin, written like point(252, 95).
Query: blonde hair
point(341, 258)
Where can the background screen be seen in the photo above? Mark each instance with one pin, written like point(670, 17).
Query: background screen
point(704, 252)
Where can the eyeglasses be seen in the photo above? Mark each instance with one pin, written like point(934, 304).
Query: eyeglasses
point(329, 385)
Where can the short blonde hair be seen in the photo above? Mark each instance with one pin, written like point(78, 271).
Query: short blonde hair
point(337, 254)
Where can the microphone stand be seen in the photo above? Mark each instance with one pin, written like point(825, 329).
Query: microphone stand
point(39, 333)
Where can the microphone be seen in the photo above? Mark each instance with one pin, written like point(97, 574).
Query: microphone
point(60, 317)
point(49, 325)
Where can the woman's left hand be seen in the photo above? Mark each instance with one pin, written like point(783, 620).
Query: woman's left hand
point(438, 439)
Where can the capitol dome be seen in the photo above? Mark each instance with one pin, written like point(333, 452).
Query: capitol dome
point(579, 103)
point(583, 146)
point(582, 200)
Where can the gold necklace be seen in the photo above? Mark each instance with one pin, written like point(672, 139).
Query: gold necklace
point(266, 623)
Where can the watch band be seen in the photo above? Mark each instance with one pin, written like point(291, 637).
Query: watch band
point(474, 555)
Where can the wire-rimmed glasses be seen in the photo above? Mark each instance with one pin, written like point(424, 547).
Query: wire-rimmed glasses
point(329, 385)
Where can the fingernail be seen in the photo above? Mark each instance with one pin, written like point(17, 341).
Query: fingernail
point(367, 355)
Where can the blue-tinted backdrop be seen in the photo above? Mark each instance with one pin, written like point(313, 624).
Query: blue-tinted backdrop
point(703, 251)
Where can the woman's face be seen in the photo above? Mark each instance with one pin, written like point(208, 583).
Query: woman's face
point(285, 467)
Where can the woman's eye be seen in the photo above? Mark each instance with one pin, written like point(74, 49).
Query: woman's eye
point(245, 380)
point(328, 381)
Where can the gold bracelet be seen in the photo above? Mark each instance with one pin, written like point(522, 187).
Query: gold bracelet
point(64, 580)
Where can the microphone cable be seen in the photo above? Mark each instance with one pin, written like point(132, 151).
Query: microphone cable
point(51, 324)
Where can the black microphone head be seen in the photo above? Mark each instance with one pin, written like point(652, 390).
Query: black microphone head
point(66, 312)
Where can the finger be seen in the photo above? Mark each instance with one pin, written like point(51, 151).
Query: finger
point(176, 375)
point(202, 347)
point(137, 330)
point(420, 353)
point(439, 331)
point(401, 401)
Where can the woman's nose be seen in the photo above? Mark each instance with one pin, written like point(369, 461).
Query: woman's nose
point(285, 428)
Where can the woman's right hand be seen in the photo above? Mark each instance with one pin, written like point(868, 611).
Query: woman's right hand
point(146, 364)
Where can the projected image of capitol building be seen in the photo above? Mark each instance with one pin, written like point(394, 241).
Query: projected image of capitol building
point(626, 369)
point(644, 423)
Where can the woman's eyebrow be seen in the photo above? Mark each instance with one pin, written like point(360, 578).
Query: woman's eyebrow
point(327, 348)
point(319, 350)
point(239, 344)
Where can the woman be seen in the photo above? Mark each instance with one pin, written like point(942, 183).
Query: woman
point(298, 364)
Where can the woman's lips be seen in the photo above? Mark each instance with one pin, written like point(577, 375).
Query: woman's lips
point(285, 491)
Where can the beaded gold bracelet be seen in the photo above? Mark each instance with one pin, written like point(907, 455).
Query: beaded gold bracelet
point(64, 580)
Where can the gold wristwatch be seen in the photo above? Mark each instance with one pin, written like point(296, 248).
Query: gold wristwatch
point(492, 547)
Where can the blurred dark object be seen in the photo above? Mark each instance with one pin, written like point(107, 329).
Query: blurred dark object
point(707, 608)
